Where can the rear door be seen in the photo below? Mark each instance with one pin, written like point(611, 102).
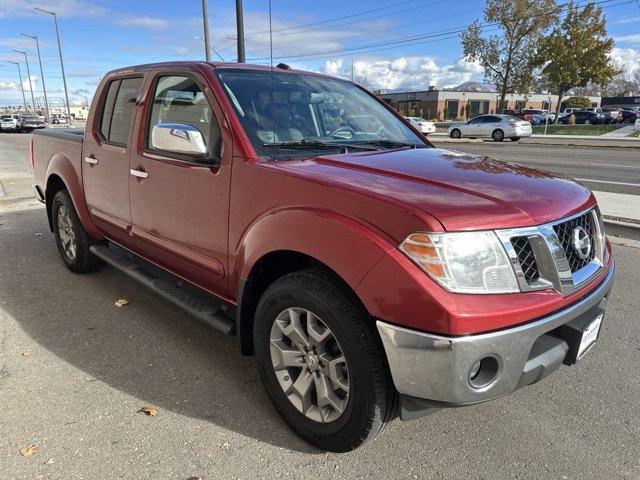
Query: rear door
point(105, 163)
point(180, 203)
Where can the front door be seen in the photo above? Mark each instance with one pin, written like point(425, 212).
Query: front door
point(105, 163)
point(180, 203)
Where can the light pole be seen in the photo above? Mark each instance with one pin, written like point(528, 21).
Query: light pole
point(26, 60)
point(44, 88)
point(64, 79)
point(240, 29)
point(205, 26)
point(24, 99)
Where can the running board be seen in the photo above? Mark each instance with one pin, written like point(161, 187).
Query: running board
point(200, 305)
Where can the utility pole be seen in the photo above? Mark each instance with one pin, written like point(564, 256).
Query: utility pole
point(64, 79)
point(205, 21)
point(44, 88)
point(26, 60)
point(24, 99)
point(240, 29)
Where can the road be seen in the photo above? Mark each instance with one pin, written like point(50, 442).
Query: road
point(75, 371)
point(614, 170)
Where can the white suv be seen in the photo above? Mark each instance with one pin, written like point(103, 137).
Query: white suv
point(8, 123)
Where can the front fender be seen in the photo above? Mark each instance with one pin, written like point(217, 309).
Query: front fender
point(59, 165)
point(348, 247)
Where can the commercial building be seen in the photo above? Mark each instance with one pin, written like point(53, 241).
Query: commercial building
point(621, 102)
point(459, 103)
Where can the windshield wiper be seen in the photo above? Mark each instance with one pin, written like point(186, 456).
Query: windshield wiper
point(390, 144)
point(317, 144)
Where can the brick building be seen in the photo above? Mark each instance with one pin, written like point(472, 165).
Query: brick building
point(452, 104)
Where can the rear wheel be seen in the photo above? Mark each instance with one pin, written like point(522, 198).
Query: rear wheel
point(497, 135)
point(321, 363)
point(455, 133)
point(72, 239)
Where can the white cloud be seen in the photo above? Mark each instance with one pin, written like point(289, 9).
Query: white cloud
point(63, 8)
point(8, 86)
point(146, 22)
point(633, 38)
point(628, 59)
point(627, 20)
point(404, 73)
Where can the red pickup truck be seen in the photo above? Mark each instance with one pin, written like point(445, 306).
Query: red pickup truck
point(371, 274)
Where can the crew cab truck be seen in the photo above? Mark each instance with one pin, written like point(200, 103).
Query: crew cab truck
point(371, 274)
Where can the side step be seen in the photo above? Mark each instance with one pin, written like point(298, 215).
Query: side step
point(199, 304)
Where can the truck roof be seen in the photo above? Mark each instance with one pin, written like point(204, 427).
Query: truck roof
point(173, 64)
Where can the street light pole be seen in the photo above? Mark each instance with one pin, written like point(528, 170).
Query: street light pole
point(240, 28)
point(26, 60)
point(44, 88)
point(24, 99)
point(64, 79)
point(205, 22)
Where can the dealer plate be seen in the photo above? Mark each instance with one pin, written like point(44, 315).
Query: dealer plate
point(590, 335)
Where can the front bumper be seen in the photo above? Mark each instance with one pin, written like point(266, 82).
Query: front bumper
point(436, 368)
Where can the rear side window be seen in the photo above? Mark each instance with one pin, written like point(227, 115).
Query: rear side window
point(118, 110)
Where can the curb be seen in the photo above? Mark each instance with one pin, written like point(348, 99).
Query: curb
point(622, 222)
point(569, 142)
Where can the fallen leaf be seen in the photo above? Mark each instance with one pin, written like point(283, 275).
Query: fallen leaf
point(49, 462)
point(121, 302)
point(29, 450)
point(38, 234)
point(26, 354)
point(151, 411)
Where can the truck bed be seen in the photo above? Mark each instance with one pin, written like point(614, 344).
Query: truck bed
point(62, 143)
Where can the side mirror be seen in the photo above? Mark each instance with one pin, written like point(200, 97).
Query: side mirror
point(178, 138)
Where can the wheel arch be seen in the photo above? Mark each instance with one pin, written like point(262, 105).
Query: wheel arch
point(63, 175)
point(341, 248)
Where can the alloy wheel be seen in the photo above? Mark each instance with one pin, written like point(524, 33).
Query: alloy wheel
point(309, 365)
point(66, 233)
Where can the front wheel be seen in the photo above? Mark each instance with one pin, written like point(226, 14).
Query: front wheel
point(455, 133)
point(497, 135)
point(71, 238)
point(321, 363)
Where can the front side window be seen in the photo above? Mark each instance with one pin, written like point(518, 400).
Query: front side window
point(282, 111)
point(179, 100)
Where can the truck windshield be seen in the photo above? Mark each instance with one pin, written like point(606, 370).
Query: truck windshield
point(285, 114)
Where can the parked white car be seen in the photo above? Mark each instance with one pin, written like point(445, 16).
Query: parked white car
point(425, 126)
point(8, 123)
point(497, 127)
point(637, 125)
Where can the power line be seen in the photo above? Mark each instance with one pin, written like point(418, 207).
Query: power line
point(409, 41)
point(330, 20)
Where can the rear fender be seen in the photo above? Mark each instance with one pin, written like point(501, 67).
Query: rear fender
point(60, 166)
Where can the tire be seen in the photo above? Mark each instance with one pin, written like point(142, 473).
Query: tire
point(455, 133)
point(71, 238)
point(587, 122)
point(497, 135)
point(515, 139)
point(371, 402)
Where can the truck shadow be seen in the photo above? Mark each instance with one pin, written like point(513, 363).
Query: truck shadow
point(147, 349)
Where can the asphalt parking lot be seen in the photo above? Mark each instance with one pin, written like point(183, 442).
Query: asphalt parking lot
point(75, 371)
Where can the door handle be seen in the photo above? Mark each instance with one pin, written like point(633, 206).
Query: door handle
point(139, 173)
point(91, 160)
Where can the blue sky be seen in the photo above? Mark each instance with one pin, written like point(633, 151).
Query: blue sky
point(101, 35)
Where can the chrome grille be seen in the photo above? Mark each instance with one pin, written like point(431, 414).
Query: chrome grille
point(544, 256)
point(565, 230)
point(527, 260)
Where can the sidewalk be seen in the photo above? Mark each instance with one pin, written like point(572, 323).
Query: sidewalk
point(620, 207)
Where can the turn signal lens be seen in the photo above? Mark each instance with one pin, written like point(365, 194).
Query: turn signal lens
point(465, 262)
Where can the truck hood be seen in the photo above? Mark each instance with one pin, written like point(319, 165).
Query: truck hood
point(464, 192)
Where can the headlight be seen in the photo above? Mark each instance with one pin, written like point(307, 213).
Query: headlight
point(465, 262)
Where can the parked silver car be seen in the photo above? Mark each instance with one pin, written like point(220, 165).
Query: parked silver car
point(497, 127)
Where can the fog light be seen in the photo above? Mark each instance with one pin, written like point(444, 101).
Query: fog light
point(484, 372)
